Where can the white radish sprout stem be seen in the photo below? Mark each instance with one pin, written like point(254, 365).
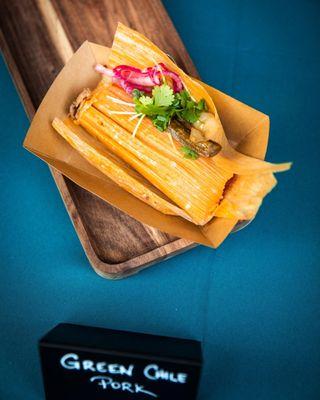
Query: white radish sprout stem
point(135, 116)
point(137, 126)
point(123, 112)
point(118, 101)
point(172, 142)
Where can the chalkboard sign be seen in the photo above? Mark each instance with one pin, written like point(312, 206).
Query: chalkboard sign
point(80, 362)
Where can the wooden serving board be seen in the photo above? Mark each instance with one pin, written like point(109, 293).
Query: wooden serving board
point(37, 38)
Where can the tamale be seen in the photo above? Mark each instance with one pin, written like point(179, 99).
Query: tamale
point(116, 170)
point(196, 186)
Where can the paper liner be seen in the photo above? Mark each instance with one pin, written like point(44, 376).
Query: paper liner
point(245, 127)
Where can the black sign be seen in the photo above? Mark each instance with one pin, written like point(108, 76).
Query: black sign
point(81, 362)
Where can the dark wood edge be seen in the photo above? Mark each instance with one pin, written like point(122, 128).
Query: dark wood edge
point(110, 271)
point(126, 268)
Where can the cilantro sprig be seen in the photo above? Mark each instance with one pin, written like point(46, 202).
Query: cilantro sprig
point(189, 110)
point(163, 105)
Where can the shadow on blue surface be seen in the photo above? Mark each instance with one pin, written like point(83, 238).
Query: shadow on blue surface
point(255, 301)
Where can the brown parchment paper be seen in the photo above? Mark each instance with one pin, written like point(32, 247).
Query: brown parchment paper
point(246, 128)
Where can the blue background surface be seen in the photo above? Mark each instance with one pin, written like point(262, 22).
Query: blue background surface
point(255, 303)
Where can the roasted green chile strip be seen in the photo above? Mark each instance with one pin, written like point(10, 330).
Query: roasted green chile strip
point(181, 133)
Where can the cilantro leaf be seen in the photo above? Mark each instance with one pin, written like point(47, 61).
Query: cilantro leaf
point(189, 153)
point(161, 122)
point(183, 97)
point(190, 110)
point(146, 100)
point(163, 95)
point(202, 106)
point(189, 115)
point(149, 109)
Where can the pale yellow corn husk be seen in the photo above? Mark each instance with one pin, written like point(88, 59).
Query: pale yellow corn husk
point(243, 196)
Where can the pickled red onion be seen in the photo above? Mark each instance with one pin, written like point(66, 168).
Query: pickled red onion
point(157, 74)
point(133, 75)
point(130, 78)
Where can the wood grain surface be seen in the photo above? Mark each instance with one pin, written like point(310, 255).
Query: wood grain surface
point(37, 39)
